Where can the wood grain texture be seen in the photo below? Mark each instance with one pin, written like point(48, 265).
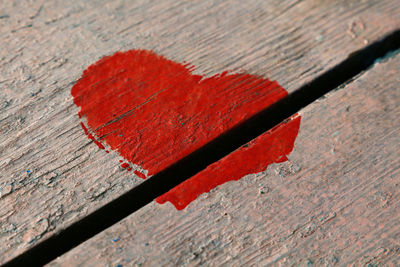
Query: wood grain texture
point(50, 173)
point(335, 202)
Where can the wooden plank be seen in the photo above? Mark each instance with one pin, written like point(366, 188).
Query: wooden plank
point(50, 173)
point(335, 202)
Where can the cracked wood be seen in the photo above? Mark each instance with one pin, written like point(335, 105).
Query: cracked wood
point(50, 174)
point(335, 202)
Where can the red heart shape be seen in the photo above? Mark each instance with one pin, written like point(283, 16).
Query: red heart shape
point(154, 111)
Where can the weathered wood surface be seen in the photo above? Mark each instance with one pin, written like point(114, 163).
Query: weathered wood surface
point(50, 173)
point(335, 202)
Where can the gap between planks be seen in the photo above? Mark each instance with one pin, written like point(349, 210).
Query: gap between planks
point(334, 202)
point(162, 182)
point(289, 41)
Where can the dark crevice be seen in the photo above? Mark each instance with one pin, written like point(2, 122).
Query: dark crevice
point(136, 198)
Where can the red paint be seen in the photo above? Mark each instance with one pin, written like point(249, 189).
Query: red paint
point(270, 147)
point(100, 145)
point(141, 175)
point(154, 111)
point(125, 165)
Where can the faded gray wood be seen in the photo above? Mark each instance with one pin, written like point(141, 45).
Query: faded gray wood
point(335, 202)
point(50, 173)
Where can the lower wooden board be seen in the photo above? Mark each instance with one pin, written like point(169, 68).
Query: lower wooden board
point(335, 202)
point(51, 174)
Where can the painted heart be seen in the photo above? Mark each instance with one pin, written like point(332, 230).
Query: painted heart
point(154, 111)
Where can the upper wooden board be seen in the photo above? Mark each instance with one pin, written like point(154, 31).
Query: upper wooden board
point(51, 174)
point(335, 202)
